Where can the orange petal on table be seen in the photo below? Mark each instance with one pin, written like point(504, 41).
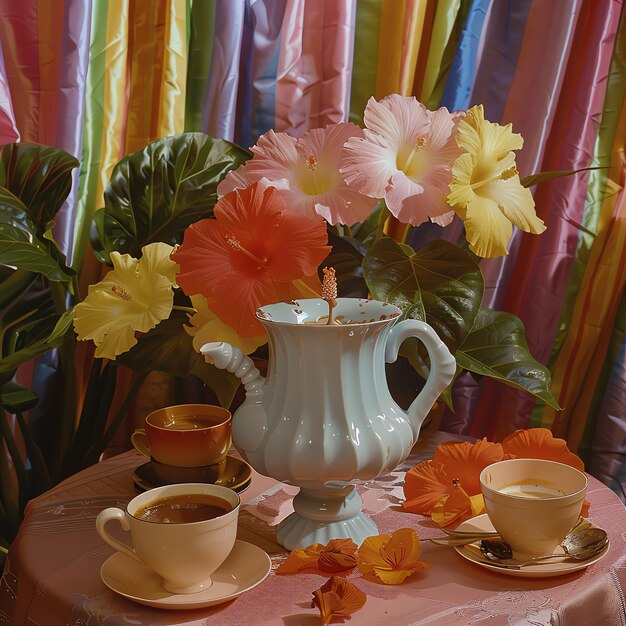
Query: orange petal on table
point(301, 559)
point(457, 507)
point(424, 485)
point(464, 461)
point(337, 598)
point(539, 443)
point(392, 558)
point(336, 556)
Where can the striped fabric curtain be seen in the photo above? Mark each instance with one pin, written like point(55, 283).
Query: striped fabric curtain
point(102, 78)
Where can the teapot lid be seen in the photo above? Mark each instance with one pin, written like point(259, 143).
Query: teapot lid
point(314, 312)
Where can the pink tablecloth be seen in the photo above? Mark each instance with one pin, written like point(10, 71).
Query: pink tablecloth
point(52, 574)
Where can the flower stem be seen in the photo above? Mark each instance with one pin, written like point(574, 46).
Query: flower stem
point(304, 289)
point(382, 219)
point(186, 309)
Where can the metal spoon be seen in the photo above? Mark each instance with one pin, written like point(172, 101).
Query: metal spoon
point(579, 545)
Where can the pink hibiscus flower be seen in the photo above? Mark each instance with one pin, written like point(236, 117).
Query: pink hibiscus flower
point(405, 157)
point(306, 172)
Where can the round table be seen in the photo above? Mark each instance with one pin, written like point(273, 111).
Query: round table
point(52, 573)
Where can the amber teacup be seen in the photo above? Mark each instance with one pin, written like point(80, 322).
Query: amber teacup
point(186, 435)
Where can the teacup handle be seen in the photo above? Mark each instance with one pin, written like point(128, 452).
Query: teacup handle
point(140, 442)
point(107, 515)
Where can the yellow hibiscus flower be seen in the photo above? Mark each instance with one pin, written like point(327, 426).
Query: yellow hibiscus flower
point(486, 191)
point(206, 327)
point(134, 296)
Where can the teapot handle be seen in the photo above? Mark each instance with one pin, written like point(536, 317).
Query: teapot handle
point(442, 366)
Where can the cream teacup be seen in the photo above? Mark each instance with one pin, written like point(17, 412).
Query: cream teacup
point(184, 555)
point(533, 503)
point(186, 435)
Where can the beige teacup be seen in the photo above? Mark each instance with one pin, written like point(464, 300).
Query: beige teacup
point(184, 555)
point(533, 503)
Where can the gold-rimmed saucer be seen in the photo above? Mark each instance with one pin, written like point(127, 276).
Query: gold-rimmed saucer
point(232, 472)
point(545, 569)
point(245, 567)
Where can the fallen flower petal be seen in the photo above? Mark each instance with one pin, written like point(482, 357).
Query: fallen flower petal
point(336, 556)
point(337, 598)
point(391, 558)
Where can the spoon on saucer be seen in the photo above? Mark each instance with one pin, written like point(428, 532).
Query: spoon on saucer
point(579, 545)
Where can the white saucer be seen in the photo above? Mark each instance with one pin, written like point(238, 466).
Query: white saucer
point(553, 567)
point(246, 567)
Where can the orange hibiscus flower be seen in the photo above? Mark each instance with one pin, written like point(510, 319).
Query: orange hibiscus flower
point(249, 255)
point(454, 463)
point(539, 443)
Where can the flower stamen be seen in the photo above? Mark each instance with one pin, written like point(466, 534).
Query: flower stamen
point(329, 291)
point(311, 162)
point(236, 245)
point(120, 292)
point(503, 175)
point(418, 146)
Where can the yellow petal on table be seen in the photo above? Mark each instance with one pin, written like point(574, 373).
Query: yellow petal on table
point(391, 558)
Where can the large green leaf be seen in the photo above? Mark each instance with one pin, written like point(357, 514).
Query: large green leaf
point(21, 249)
point(26, 245)
point(441, 285)
point(156, 193)
point(40, 176)
point(497, 348)
point(57, 328)
point(169, 348)
point(346, 257)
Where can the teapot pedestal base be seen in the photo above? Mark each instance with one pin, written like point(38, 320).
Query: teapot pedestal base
point(324, 514)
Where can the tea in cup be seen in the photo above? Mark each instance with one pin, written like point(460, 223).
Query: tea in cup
point(533, 503)
point(186, 435)
point(181, 532)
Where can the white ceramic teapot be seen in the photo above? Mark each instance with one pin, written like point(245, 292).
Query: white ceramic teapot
point(323, 419)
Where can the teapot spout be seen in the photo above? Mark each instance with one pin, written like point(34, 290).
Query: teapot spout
point(231, 358)
point(249, 426)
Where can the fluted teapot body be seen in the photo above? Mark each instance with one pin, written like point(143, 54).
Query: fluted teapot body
point(323, 419)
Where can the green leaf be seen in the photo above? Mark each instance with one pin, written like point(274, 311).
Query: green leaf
point(441, 285)
point(541, 177)
point(40, 176)
point(21, 249)
point(16, 398)
point(38, 475)
point(23, 244)
point(346, 257)
point(497, 348)
point(169, 348)
point(156, 193)
point(35, 348)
